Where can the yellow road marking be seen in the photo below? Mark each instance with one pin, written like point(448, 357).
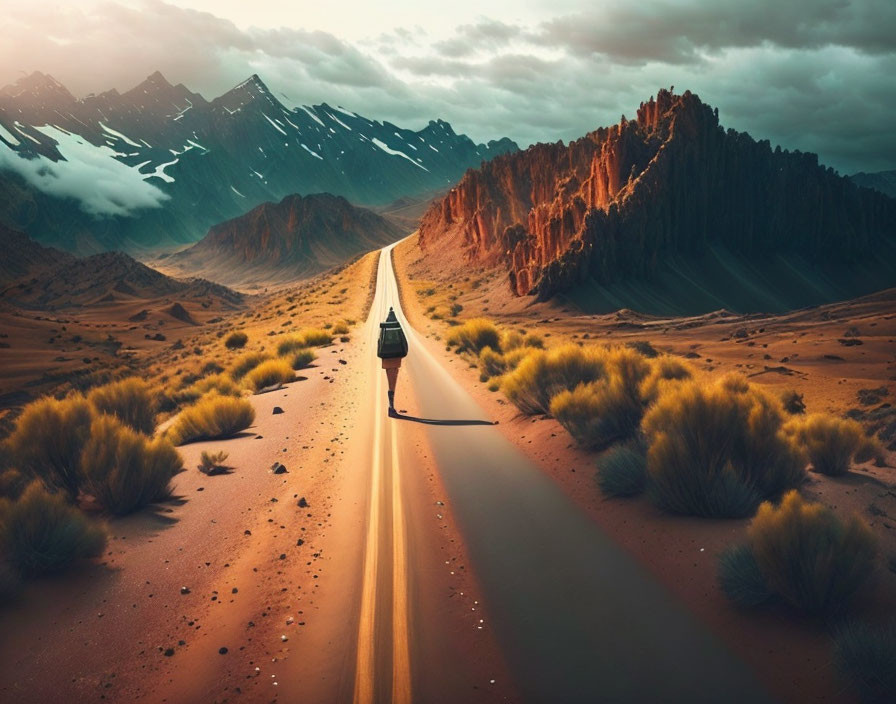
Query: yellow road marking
point(401, 657)
point(364, 669)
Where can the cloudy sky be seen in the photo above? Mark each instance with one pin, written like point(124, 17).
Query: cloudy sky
point(816, 75)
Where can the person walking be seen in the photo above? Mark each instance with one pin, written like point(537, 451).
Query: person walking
point(391, 348)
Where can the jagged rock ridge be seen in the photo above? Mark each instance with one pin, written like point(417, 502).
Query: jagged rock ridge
point(620, 201)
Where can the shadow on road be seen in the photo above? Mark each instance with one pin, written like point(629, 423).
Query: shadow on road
point(437, 421)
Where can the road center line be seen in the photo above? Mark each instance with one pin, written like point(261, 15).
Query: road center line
point(401, 658)
point(365, 664)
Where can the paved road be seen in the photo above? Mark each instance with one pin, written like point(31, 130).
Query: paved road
point(577, 618)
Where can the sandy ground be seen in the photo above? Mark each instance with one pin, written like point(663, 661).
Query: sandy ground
point(799, 350)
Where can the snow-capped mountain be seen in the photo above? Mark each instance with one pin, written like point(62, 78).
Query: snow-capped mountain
point(156, 166)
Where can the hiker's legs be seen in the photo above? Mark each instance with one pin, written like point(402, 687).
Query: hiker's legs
point(392, 376)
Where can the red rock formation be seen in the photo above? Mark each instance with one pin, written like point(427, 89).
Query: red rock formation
point(618, 201)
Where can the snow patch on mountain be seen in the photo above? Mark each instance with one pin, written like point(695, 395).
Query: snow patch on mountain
point(102, 185)
point(386, 148)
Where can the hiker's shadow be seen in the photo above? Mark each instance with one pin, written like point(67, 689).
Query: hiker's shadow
point(437, 421)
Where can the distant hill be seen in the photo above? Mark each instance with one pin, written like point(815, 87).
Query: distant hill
point(667, 213)
point(24, 257)
point(65, 281)
point(156, 166)
point(295, 238)
point(883, 181)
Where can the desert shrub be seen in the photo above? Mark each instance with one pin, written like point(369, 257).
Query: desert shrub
point(622, 470)
point(831, 443)
point(130, 400)
point(302, 358)
point(213, 417)
point(809, 556)
point(717, 450)
point(665, 370)
point(125, 470)
point(212, 462)
point(290, 345)
point(474, 334)
point(793, 402)
point(600, 412)
point(534, 341)
point(865, 655)
point(741, 579)
point(274, 372)
point(315, 337)
point(245, 363)
point(541, 375)
point(48, 439)
point(12, 483)
point(511, 340)
point(41, 532)
point(220, 383)
point(491, 363)
point(339, 329)
point(236, 340)
point(643, 347)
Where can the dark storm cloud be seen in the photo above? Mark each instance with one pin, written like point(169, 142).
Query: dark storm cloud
point(483, 36)
point(653, 30)
point(816, 76)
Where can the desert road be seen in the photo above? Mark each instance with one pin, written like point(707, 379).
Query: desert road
point(576, 618)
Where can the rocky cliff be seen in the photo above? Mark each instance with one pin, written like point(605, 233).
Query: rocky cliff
point(619, 202)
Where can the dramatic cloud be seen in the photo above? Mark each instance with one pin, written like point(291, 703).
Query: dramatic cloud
point(814, 75)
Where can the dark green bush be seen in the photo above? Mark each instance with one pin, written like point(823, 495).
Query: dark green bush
point(622, 470)
point(865, 655)
point(741, 579)
point(41, 532)
point(236, 340)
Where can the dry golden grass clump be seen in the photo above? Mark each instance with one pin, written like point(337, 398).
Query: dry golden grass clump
point(832, 444)
point(272, 373)
point(802, 553)
point(601, 412)
point(130, 400)
point(474, 334)
point(491, 364)
point(302, 358)
point(48, 440)
point(719, 449)
point(219, 383)
point(213, 417)
point(622, 470)
point(245, 363)
point(41, 532)
point(236, 340)
point(315, 337)
point(213, 462)
point(125, 470)
point(541, 375)
point(665, 371)
point(340, 329)
point(290, 345)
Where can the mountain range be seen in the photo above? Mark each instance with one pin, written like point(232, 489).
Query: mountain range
point(156, 166)
point(671, 213)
